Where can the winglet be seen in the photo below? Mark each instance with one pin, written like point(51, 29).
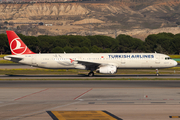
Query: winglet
point(17, 46)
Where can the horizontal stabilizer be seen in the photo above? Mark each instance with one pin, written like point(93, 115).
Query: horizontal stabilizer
point(13, 58)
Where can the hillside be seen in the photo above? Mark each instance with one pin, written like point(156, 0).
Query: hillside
point(133, 17)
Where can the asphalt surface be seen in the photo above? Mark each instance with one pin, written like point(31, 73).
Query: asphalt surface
point(88, 84)
point(30, 99)
point(128, 100)
point(125, 103)
point(84, 76)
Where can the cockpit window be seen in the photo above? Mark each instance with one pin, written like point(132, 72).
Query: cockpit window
point(168, 58)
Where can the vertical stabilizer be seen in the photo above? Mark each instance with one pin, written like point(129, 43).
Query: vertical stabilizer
point(17, 46)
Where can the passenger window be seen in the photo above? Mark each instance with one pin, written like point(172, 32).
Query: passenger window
point(167, 58)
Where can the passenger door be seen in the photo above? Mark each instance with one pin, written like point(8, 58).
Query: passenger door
point(157, 60)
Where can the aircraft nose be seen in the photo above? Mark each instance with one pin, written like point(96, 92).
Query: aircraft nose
point(175, 63)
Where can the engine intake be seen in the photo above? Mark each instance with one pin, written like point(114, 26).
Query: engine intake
point(110, 69)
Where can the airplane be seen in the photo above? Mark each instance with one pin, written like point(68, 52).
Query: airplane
point(106, 63)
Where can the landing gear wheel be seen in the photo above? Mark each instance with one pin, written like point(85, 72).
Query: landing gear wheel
point(157, 72)
point(91, 74)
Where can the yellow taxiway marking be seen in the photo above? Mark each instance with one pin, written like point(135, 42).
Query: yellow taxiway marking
point(174, 116)
point(82, 115)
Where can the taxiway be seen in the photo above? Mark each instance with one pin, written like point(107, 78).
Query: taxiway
point(128, 100)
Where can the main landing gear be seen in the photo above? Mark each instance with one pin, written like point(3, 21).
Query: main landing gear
point(91, 74)
point(157, 72)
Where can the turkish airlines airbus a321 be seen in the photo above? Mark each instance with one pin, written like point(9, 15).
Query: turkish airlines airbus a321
point(106, 63)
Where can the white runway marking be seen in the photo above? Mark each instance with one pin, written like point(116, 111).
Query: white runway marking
point(43, 111)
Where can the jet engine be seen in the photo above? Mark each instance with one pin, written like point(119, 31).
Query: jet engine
point(110, 69)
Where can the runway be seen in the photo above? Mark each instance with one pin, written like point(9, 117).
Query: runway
point(127, 100)
point(89, 84)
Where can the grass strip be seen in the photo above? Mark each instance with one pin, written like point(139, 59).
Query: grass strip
point(1, 56)
point(7, 62)
point(174, 56)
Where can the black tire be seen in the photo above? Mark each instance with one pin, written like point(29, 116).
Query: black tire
point(91, 74)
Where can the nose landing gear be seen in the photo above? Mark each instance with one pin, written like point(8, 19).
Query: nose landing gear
point(157, 72)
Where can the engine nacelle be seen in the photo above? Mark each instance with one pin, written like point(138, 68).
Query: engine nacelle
point(110, 69)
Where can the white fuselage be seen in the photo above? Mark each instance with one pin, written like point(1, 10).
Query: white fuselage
point(71, 60)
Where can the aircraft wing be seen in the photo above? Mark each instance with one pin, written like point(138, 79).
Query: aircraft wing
point(91, 65)
point(87, 63)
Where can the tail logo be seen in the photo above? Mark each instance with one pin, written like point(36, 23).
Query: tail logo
point(17, 47)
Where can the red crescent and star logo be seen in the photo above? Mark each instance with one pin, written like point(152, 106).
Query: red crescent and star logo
point(17, 47)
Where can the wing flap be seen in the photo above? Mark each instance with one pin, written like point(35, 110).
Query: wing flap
point(90, 65)
point(87, 63)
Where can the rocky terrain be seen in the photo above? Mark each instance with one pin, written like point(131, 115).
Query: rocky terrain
point(137, 18)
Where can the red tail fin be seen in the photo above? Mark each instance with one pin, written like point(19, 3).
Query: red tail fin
point(17, 46)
